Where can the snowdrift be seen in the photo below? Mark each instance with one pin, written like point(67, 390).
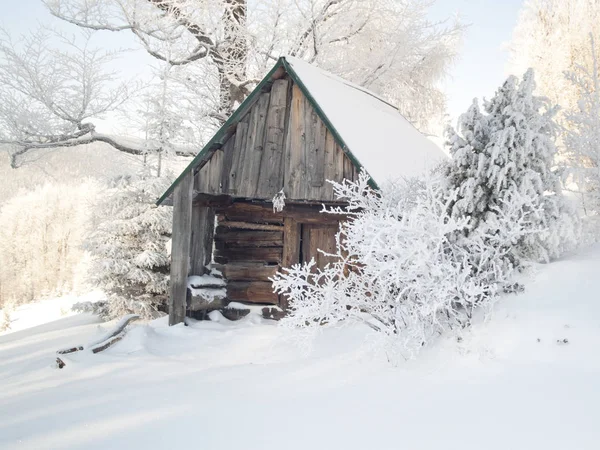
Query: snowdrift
point(528, 379)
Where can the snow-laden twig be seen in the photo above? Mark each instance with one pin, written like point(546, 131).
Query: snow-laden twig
point(279, 202)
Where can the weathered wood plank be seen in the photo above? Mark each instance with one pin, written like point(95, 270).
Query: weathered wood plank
point(295, 176)
point(228, 150)
point(238, 161)
point(316, 238)
point(270, 176)
point(251, 291)
point(211, 200)
point(249, 238)
point(247, 271)
point(348, 169)
point(182, 224)
point(314, 148)
point(235, 216)
point(260, 212)
point(203, 224)
point(291, 242)
point(291, 249)
point(256, 254)
point(339, 162)
point(249, 159)
point(249, 225)
point(227, 244)
point(252, 211)
point(330, 172)
point(231, 165)
point(214, 173)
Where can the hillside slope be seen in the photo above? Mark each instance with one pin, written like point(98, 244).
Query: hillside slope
point(73, 165)
point(507, 384)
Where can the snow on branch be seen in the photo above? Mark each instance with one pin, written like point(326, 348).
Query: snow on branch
point(406, 270)
point(50, 92)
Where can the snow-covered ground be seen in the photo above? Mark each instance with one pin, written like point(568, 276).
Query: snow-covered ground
point(508, 384)
point(48, 310)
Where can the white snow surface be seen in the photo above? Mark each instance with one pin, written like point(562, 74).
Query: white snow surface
point(199, 286)
point(48, 310)
point(507, 384)
point(380, 138)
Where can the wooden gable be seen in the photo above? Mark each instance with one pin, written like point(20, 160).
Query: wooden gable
point(280, 143)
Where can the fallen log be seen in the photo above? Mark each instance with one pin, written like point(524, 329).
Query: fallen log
point(104, 345)
point(109, 339)
point(70, 350)
point(126, 320)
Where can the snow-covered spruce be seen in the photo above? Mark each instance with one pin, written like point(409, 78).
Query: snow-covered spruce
point(505, 159)
point(129, 247)
point(404, 267)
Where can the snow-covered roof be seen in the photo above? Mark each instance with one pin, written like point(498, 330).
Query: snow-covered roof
point(372, 132)
point(377, 135)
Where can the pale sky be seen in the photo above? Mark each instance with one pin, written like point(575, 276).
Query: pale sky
point(479, 71)
point(481, 67)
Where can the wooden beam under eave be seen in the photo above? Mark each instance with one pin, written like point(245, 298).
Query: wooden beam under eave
point(211, 200)
point(202, 232)
point(180, 248)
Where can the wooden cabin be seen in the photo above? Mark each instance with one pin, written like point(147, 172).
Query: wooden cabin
point(300, 127)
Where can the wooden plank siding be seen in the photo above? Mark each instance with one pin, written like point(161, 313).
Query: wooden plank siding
point(280, 143)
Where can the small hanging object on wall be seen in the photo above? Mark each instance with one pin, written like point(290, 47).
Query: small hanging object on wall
point(279, 201)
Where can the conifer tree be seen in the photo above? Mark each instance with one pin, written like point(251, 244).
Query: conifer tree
point(130, 247)
point(504, 160)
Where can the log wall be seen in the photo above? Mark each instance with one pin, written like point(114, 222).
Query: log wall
point(252, 243)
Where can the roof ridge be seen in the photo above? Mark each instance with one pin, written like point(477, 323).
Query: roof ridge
point(350, 84)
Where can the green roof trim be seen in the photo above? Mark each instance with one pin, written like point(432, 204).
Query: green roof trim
point(215, 142)
point(216, 139)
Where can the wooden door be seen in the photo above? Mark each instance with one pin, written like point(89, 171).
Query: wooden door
point(317, 237)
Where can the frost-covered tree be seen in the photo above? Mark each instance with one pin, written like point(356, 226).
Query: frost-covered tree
point(582, 138)
point(388, 46)
point(129, 247)
point(52, 87)
point(169, 115)
point(41, 233)
point(507, 154)
point(403, 266)
point(551, 36)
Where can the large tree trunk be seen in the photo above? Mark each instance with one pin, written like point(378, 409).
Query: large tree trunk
point(233, 57)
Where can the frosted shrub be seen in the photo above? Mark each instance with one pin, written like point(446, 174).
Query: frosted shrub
point(417, 259)
point(130, 260)
point(404, 266)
